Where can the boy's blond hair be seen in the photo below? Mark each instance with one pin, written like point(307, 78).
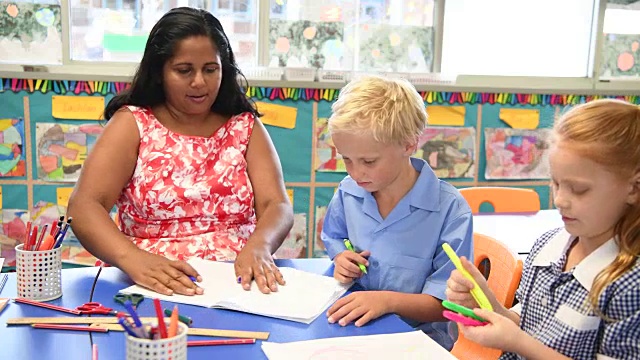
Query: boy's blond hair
point(389, 109)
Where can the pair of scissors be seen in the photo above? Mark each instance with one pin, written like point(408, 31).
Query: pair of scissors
point(95, 308)
point(134, 298)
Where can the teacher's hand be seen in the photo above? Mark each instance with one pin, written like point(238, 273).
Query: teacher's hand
point(160, 274)
point(254, 262)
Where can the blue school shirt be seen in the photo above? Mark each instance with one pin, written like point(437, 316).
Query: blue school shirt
point(554, 308)
point(406, 246)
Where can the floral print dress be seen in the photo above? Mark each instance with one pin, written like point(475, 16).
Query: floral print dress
point(189, 196)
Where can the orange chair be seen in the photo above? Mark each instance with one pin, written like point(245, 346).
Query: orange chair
point(503, 199)
point(504, 272)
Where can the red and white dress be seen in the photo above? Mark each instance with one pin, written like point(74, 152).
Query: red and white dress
point(189, 196)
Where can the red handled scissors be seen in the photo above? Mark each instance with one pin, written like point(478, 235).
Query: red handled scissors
point(95, 308)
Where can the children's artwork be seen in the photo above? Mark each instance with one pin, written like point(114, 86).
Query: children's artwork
point(62, 149)
point(12, 233)
point(31, 32)
point(450, 151)
point(398, 48)
point(319, 250)
point(306, 43)
point(295, 244)
point(621, 57)
point(517, 154)
point(327, 157)
point(12, 158)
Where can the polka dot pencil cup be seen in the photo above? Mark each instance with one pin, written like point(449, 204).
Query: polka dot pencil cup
point(173, 348)
point(39, 274)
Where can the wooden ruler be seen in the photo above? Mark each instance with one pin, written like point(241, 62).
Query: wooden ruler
point(111, 323)
point(205, 332)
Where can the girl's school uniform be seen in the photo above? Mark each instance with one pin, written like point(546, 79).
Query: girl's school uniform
point(554, 306)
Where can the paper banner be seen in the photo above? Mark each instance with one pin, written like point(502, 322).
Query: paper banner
point(63, 194)
point(77, 107)
point(278, 115)
point(521, 118)
point(290, 194)
point(446, 115)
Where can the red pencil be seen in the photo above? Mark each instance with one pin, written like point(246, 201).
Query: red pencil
point(162, 327)
point(70, 327)
point(47, 306)
point(220, 342)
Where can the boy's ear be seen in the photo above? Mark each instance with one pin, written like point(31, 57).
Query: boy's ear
point(410, 148)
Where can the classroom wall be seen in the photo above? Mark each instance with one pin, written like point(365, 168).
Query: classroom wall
point(29, 197)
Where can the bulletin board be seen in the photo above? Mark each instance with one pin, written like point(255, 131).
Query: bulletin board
point(474, 139)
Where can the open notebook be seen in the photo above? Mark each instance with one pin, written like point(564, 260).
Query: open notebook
point(304, 297)
point(413, 345)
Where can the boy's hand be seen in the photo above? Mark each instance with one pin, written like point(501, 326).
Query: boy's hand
point(459, 288)
point(346, 265)
point(361, 305)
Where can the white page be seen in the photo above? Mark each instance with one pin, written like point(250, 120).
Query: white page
point(413, 345)
point(1, 263)
point(304, 297)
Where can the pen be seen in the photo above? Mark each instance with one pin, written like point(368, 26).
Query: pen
point(3, 281)
point(183, 319)
point(41, 237)
point(220, 342)
point(349, 247)
point(476, 292)
point(70, 327)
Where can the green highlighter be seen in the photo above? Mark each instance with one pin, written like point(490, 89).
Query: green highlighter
point(349, 247)
point(464, 311)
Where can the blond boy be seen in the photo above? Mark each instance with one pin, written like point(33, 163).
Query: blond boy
point(393, 209)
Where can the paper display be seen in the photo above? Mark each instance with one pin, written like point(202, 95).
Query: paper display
point(302, 299)
point(407, 346)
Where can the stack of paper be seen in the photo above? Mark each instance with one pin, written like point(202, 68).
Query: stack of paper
point(413, 345)
point(304, 297)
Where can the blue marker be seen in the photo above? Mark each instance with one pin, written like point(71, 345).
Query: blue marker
point(123, 322)
point(133, 313)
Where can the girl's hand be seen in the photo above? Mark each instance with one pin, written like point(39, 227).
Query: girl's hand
point(459, 288)
point(500, 333)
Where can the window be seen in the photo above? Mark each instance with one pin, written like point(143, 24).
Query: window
point(117, 30)
point(518, 38)
point(31, 33)
point(621, 39)
point(363, 35)
point(395, 35)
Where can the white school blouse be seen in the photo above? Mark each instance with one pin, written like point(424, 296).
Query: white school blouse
point(554, 308)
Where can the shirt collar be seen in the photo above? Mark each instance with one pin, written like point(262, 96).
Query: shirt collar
point(587, 270)
point(425, 193)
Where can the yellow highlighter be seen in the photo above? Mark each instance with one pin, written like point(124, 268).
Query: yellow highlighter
point(476, 292)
